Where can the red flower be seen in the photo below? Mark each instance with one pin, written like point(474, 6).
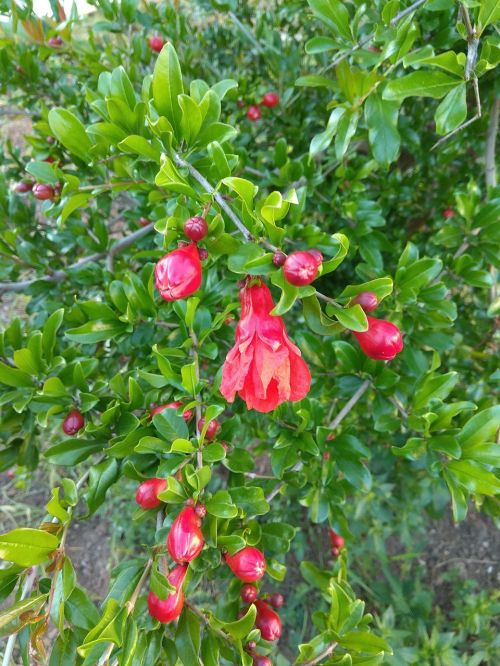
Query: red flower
point(382, 341)
point(178, 274)
point(166, 610)
point(264, 367)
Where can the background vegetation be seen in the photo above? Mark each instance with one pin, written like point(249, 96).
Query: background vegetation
point(381, 153)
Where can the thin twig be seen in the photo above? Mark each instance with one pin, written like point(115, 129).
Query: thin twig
point(59, 275)
point(491, 176)
point(491, 137)
point(472, 49)
point(349, 405)
point(218, 198)
point(369, 37)
point(326, 653)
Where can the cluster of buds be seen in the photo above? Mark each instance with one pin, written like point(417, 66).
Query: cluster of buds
point(267, 621)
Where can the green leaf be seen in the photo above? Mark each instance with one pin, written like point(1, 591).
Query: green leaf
point(382, 120)
point(475, 477)
point(434, 388)
point(10, 614)
point(69, 130)
point(109, 628)
point(481, 428)
point(334, 14)
point(320, 45)
point(489, 13)
point(240, 628)
point(364, 641)
point(102, 477)
point(221, 505)
point(381, 287)
point(420, 84)
point(316, 81)
point(316, 319)
point(169, 177)
point(191, 119)
point(25, 546)
point(321, 141)
point(187, 638)
point(43, 172)
point(170, 425)
point(345, 131)
point(250, 500)
point(167, 85)
point(452, 111)
point(74, 203)
point(72, 451)
point(139, 145)
point(97, 330)
point(54, 507)
point(14, 377)
point(352, 318)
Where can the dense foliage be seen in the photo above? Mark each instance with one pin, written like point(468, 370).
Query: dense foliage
point(378, 151)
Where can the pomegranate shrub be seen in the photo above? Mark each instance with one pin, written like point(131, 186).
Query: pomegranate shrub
point(256, 290)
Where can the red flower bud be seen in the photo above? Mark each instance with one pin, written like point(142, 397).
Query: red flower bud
point(248, 593)
point(317, 255)
point(254, 113)
point(202, 253)
point(279, 258)
point(156, 43)
point(143, 221)
point(212, 429)
point(73, 422)
point(276, 600)
point(300, 268)
point(367, 299)
point(261, 660)
point(382, 341)
point(336, 540)
point(186, 414)
point(250, 646)
point(196, 228)
point(270, 99)
point(178, 274)
point(146, 494)
point(166, 610)
point(43, 192)
point(248, 564)
point(267, 621)
point(55, 42)
point(185, 540)
point(448, 212)
point(24, 187)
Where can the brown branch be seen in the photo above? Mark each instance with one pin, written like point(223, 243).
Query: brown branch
point(60, 275)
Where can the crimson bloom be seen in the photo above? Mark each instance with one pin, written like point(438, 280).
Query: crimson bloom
point(178, 274)
point(264, 367)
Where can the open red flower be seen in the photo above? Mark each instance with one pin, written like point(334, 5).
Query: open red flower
point(264, 367)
